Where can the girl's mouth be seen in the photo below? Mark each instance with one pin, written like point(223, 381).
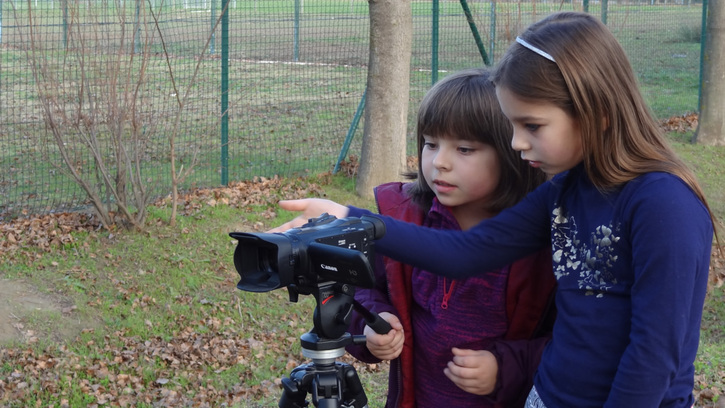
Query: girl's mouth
point(442, 186)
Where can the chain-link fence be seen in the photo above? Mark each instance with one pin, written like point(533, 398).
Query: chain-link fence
point(99, 91)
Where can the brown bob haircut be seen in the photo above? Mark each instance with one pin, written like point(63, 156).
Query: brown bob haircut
point(463, 106)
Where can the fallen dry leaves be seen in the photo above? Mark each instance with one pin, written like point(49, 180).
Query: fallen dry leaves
point(121, 376)
point(120, 373)
point(125, 370)
point(50, 231)
point(680, 123)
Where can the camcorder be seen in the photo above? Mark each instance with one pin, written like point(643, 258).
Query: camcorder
point(327, 258)
point(326, 249)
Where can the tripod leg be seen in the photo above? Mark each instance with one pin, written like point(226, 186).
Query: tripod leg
point(354, 394)
point(294, 390)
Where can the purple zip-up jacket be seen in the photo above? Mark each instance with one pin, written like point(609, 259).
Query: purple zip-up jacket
point(526, 312)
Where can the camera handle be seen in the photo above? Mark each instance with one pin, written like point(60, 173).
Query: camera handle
point(332, 384)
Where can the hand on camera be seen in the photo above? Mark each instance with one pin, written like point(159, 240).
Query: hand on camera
point(473, 371)
point(386, 346)
point(310, 208)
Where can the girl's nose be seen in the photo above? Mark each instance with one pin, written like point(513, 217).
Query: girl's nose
point(519, 142)
point(441, 160)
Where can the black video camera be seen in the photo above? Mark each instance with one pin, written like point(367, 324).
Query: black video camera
point(328, 258)
point(326, 249)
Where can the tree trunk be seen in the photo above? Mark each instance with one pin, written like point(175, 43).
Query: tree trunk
point(711, 125)
point(386, 110)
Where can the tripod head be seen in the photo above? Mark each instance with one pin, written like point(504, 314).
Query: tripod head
point(333, 311)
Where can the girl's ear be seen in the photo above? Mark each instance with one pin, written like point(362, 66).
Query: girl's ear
point(605, 122)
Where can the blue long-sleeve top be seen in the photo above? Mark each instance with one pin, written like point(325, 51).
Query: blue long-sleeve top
point(632, 268)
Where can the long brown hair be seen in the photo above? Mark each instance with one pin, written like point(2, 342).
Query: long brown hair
point(591, 79)
point(463, 105)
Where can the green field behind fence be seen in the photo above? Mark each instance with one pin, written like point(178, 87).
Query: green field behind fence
point(296, 75)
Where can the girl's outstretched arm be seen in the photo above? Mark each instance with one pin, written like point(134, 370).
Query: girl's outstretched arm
point(310, 208)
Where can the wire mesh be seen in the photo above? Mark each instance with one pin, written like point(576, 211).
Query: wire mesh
point(120, 86)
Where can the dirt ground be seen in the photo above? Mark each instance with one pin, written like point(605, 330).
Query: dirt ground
point(22, 305)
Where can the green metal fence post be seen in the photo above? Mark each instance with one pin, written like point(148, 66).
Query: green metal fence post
point(474, 31)
point(703, 38)
point(605, 9)
point(225, 94)
point(64, 5)
point(350, 132)
point(492, 47)
point(137, 31)
point(296, 33)
point(585, 6)
point(434, 42)
point(213, 22)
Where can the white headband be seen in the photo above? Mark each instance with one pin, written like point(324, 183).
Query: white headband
point(535, 49)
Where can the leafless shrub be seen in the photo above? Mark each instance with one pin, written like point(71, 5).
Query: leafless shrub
point(94, 95)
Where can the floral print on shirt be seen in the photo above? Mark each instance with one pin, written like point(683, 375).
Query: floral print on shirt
point(592, 262)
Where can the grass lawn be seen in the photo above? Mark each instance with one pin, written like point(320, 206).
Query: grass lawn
point(118, 318)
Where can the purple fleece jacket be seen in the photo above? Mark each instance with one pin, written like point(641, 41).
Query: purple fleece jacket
point(481, 312)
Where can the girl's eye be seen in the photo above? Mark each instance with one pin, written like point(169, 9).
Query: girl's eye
point(465, 150)
point(430, 145)
point(531, 127)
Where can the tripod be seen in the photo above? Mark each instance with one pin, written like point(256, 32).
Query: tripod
point(332, 384)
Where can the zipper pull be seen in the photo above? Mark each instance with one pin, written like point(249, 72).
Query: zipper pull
point(447, 292)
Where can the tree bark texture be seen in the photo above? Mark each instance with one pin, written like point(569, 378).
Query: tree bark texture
point(711, 125)
point(386, 110)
